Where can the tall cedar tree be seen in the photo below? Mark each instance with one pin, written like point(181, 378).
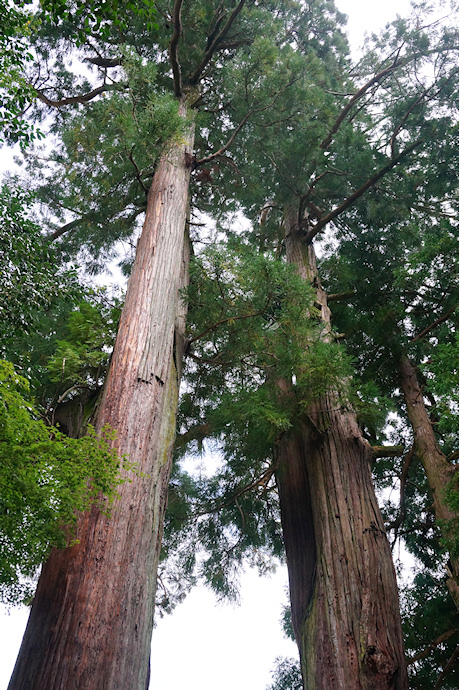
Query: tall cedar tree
point(367, 661)
point(92, 616)
point(344, 165)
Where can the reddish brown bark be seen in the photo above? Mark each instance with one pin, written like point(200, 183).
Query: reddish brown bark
point(343, 591)
point(92, 617)
point(439, 472)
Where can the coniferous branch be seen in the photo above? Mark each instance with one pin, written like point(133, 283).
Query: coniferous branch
point(216, 44)
point(87, 216)
point(223, 321)
point(358, 193)
point(84, 98)
point(361, 92)
point(449, 665)
point(224, 148)
point(395, 524)
point(262, 481)
point(248, 114)
point(138, 175)
point(434, 324)
point(438, 641)
point(404, 119)
point(173, 45)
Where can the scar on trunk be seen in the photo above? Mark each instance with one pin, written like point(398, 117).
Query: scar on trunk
point(141, 380)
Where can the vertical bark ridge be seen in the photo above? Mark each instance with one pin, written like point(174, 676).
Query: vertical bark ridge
point(91, 621)
point(348, 625)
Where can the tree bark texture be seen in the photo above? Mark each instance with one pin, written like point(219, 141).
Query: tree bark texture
point(343, 591)
point(92, 617)
point(439, 472)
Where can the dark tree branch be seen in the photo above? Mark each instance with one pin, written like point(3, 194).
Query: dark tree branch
point(66, 228)
point(197, 433)
point(434, 324)
point(230, 318)
point(214, 362)
point(425, 652)
point(105, 62)
point(84, 98)
point(216, 43)
point(387, 451)
point(250, 112)
point(449, 665)
point(395, 524)
point(173, 45)
point(87, 216)
point(138, 173)
point(224, 148)
point(361, 92)
point(262, 481)
point(358, 193)
point(340, 296)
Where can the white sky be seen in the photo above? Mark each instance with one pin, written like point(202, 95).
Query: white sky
point(204, 645)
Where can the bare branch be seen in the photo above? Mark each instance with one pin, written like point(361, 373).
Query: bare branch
point(177, 23)
point(216, 43)
point(196, 433)
point(358, 193)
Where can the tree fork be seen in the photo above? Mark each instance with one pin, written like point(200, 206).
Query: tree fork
point(344, 597)
point(92, 617)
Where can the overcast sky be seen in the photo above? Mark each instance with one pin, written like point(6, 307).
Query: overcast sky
point(204, 645)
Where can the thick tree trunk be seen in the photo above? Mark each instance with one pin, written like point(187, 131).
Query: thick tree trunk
point(343, 591)
point(439, 472)
point(92, 617)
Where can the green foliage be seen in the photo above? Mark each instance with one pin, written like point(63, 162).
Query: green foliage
point(98, 17)
point(16, 23)
point(286, 675)
point(103, 168)
point(46, 478)
point(428, 613)
point(32, 281)
point(81, 359)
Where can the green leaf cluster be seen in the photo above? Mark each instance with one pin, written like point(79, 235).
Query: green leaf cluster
point(46, 478)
